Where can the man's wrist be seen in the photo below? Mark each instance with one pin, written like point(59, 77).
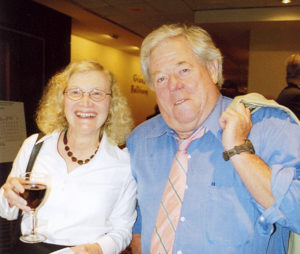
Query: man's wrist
point(246, 147)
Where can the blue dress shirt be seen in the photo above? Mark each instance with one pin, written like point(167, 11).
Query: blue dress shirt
point(218, 213)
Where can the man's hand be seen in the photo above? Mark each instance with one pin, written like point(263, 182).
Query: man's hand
point(236, 125)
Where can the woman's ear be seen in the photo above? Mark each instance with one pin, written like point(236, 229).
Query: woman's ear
point(213, 68)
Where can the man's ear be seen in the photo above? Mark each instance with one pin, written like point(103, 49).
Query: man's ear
point(151, 85)
point(213, 68)
point(150, 82)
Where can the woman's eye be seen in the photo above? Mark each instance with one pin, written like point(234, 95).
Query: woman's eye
point(97, 93)
point(75, 92)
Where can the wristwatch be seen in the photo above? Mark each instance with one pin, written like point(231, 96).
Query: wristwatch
point(246, 147)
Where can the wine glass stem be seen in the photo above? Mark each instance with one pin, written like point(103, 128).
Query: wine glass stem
point(33, 230)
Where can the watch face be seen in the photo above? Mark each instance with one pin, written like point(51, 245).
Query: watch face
point(250, 146)
point(225, 156)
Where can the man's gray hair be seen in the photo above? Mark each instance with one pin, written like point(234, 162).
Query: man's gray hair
point(199, 40)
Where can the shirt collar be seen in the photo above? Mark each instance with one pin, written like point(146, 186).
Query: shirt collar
point(212, 121)
point(158, 127)
point(48, 136)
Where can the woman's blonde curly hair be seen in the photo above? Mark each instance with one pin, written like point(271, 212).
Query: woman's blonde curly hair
point(50, 115)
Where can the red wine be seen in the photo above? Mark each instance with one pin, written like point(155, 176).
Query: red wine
point(34, 194)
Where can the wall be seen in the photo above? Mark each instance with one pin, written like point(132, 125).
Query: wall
point(268, 50)
point(125, 67)
point(32, 49)
point(34, 44)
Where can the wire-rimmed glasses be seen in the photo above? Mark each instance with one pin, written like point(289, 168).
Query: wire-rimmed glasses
point(95, 94)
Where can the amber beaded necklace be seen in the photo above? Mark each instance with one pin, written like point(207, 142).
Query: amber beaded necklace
point(70, 153)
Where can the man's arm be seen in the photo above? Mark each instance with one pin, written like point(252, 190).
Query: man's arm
point(254, 172)
point(256, 175)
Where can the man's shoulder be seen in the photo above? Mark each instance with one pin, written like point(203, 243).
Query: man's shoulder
point(290, 90)
point(271, 115)
point(151, 127)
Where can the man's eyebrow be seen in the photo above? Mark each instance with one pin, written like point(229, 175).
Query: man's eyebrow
point(177, 64)
point(181, 62)
point(154, 73)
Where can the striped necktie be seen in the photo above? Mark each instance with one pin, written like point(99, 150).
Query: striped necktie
point(170, 206)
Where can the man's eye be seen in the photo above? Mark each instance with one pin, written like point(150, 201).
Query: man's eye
point(161, 80)
point(185, 70)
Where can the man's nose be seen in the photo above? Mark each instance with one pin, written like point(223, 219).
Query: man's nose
point(174, 82)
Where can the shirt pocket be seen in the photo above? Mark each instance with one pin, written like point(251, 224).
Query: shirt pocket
point(228, 212)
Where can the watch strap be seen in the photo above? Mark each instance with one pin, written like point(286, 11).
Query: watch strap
point(246, 147)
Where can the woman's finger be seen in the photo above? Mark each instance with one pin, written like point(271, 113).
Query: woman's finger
point(12, 189)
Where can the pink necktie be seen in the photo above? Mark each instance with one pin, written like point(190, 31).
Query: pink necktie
point(170, 206)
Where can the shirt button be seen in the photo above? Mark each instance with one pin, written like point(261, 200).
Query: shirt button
point(261, 218)
point(186, 187)
point(189, 156)
point(182, 219)
point(179, 252)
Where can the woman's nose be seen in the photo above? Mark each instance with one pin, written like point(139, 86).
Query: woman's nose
point(85, 99)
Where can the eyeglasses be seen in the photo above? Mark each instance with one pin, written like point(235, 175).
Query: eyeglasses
point(76, 94)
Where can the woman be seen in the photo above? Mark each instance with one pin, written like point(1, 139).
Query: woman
point(91, 204)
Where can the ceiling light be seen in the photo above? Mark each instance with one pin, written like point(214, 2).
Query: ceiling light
point(135, 9)
point(131, 49)
point(285, 1)
point(135, 48)
point(114, 36)
point(105, 36)
point(108, 36)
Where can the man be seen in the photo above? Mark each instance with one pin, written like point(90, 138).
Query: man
point(247, 204)
point(290, 95)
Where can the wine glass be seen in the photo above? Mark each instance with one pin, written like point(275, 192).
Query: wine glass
point(35, 185)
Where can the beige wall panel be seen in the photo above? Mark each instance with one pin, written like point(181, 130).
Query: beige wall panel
point(268, 50)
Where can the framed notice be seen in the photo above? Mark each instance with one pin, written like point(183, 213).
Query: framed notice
point(12, 129)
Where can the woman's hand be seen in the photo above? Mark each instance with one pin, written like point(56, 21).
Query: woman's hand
point(12, 188)
point(92, 248)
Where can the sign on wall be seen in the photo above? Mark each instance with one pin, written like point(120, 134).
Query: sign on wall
point(12, 129)
point(139, 85)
